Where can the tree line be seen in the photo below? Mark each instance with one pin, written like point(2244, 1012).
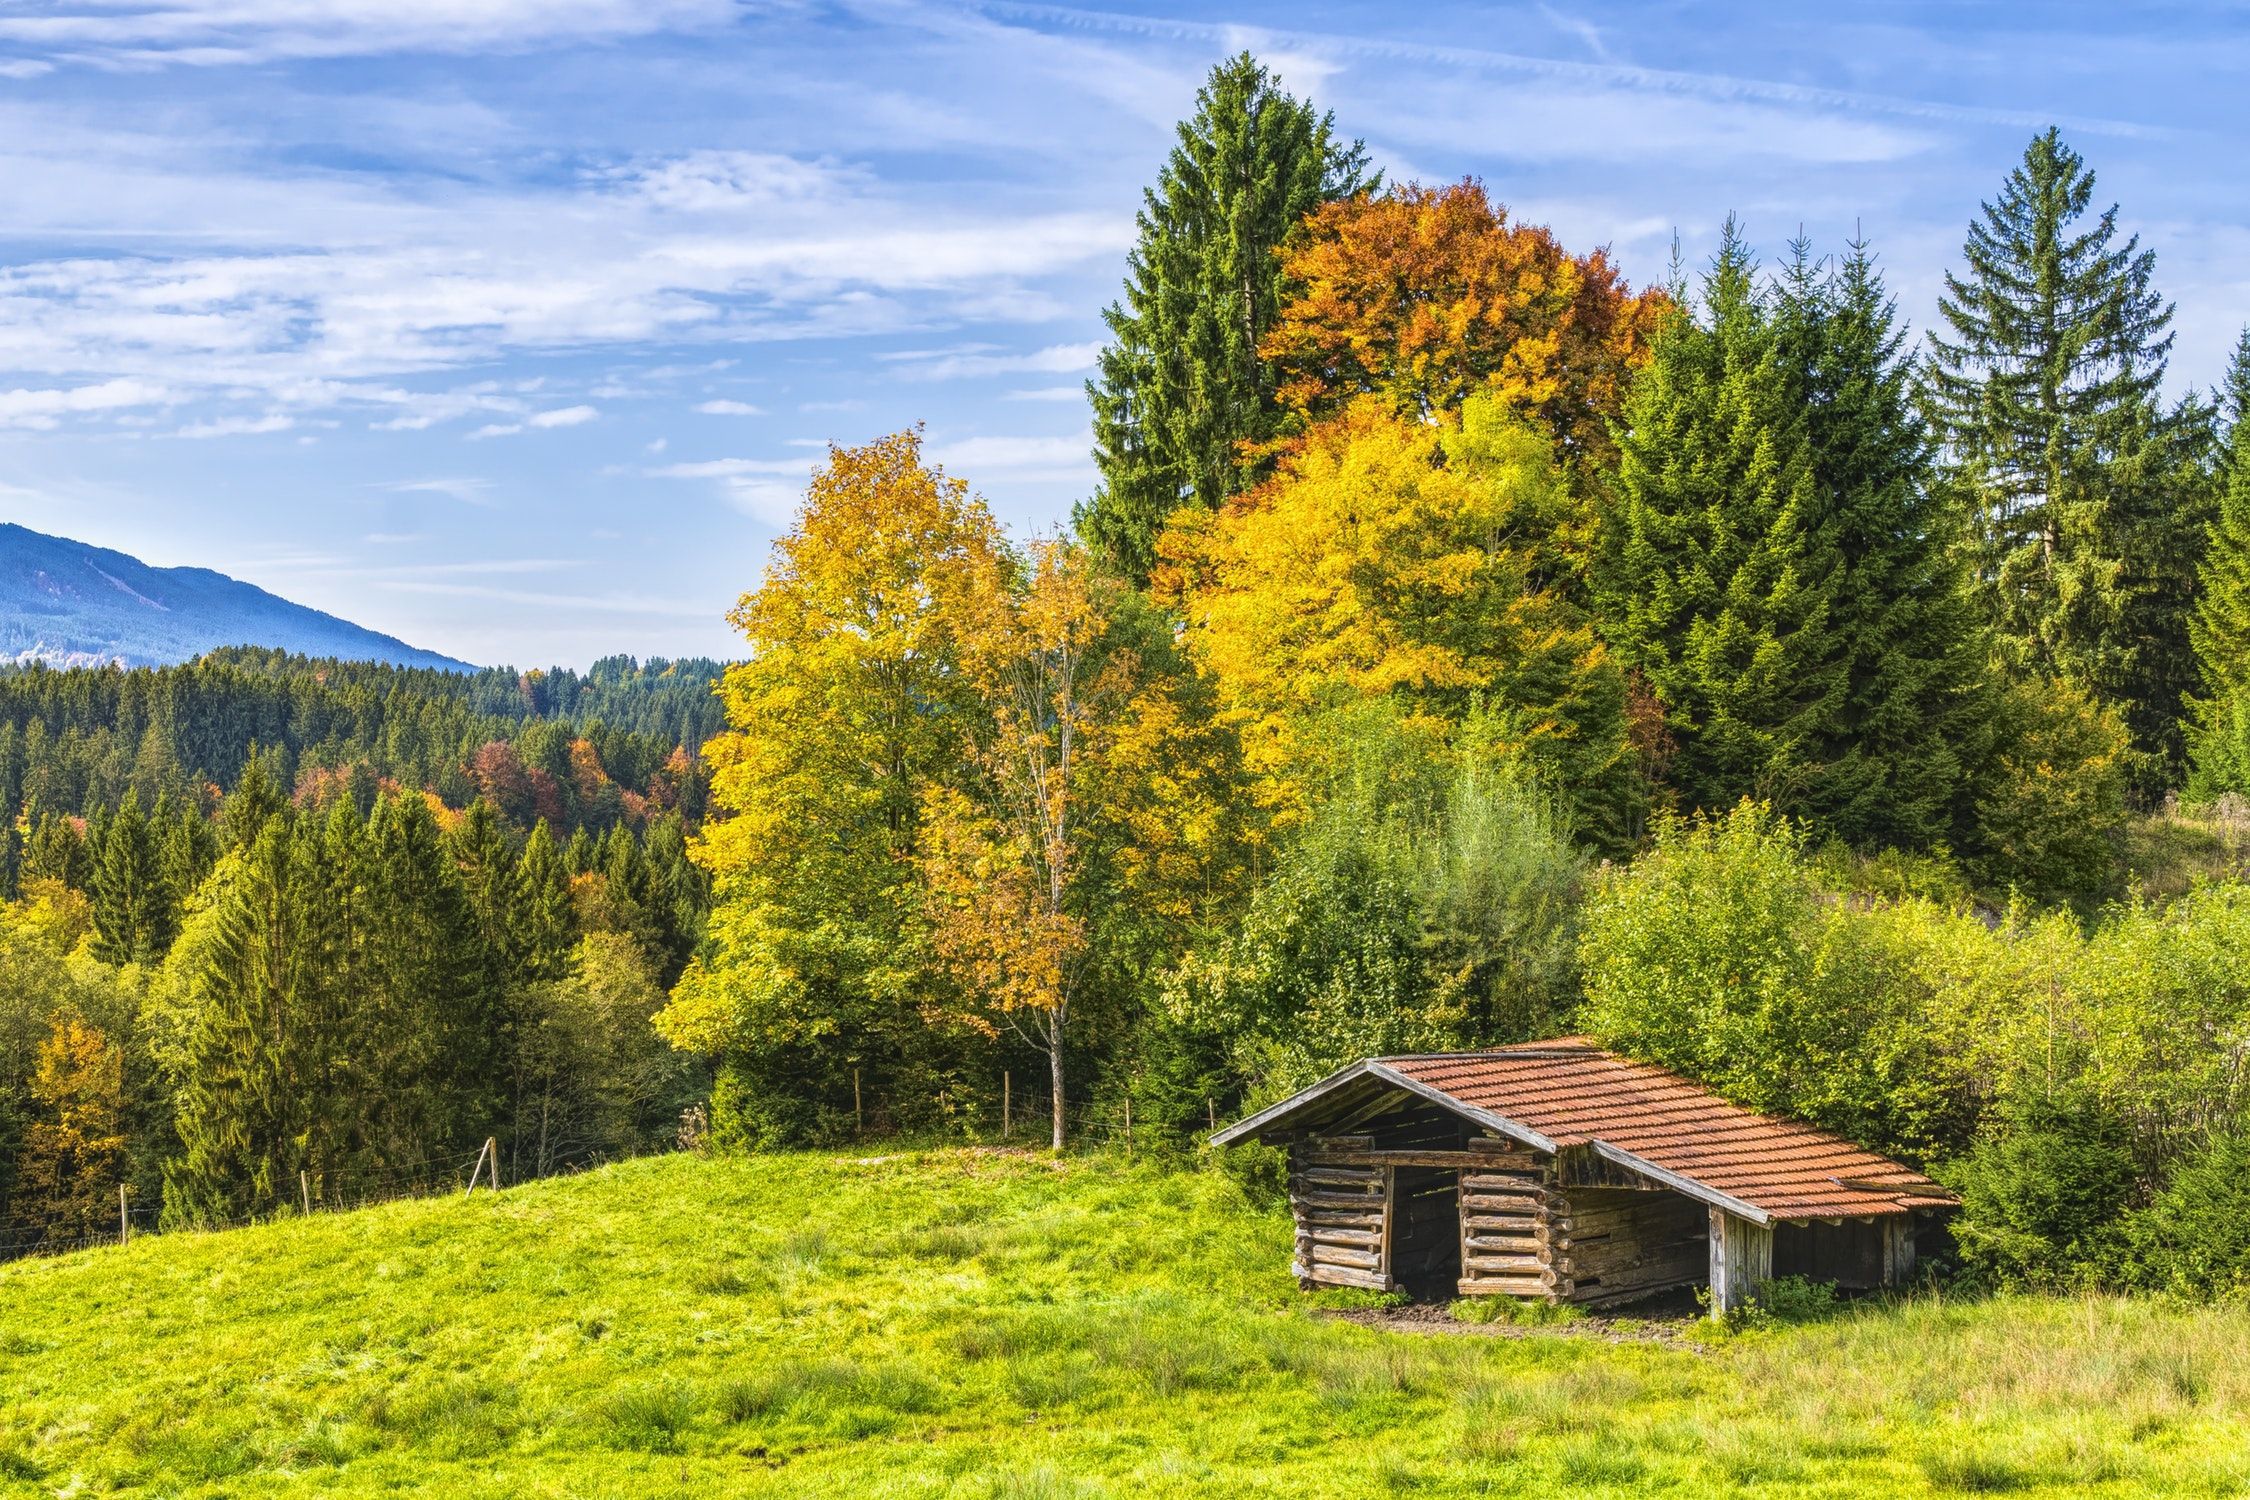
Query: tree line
point(327, 977)
point(1443, 598)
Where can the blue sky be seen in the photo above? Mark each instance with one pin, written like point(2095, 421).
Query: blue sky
point(513, 327)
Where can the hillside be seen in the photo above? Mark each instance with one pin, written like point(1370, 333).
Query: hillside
point(959, 1323)
point(69, 604)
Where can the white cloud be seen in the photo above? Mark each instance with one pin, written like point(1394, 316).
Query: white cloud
point(771, 489)
point(724, 408)
point(1060, 459)
point(564, 416)
point(467, 491)
point(144, 33)
point(982, 359)
point(44, 408)
point(1047, 393)
point(219, 427)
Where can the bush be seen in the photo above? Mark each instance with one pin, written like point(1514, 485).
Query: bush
point(1720, 955)
point(2042, 1191)
point(2195, 1237)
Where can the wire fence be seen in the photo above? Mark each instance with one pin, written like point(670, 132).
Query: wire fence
point(315, 1193)
point(1024, 1119)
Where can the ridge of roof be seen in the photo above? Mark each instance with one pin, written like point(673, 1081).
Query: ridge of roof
point(1569, 1092)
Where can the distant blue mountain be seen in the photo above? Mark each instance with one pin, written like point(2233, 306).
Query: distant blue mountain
point(69, 604)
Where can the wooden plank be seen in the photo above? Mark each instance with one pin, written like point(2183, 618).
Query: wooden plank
point(1334, 1255)
point(1505, 1244)
point(1741, 1258)
point(1417, 1157)
point(1323, 1177)
point(1390, 1218)
point(1342, 1276)
point(1482, 1181)
point(1334, 1200)
point(1356, 1239)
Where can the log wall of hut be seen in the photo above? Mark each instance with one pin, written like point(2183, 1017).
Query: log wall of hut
point(1619, 1244)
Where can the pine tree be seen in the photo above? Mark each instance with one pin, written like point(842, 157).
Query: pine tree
point(2044, 396)
point(1915, 718)
point(254, 800)
point(2219, 734)
point(135, 911)
point(544, 926)
point(1182, 386)
point(1717, 568)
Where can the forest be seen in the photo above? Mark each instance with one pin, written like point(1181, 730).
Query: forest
point(1462, 645)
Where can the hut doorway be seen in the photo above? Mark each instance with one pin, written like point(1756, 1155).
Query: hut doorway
point(1426, 1232)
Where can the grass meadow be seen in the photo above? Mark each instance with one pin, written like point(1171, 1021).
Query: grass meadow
point(977, 1324)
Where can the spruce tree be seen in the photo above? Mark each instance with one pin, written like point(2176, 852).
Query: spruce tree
point(1914, 722)
point(1182, 386)
point(135, 911)
point(544, 925)
point(2219, 734)
point(2085, 510)
point(1718, 567)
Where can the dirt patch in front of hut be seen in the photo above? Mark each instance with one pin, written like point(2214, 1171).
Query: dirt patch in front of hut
point(1664, 1319)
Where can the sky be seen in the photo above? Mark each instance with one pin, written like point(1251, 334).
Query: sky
point(514, 328)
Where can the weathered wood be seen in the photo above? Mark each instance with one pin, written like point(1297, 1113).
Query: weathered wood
point(1320, 1176)
point(1741, 1258)
point(1340, 1276)
point(1334, 1255)
point(1502, 1182)
point(1898, 1250)
point(1508, 1244)
point(1390, 1219)
point(1357, 1239)
point(1334, 1200)
point(1409, 1157)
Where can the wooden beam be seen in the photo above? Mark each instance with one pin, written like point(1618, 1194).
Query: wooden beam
point(1741, 1258)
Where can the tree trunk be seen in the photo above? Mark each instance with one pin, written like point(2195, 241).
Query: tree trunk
point(1055, 1069)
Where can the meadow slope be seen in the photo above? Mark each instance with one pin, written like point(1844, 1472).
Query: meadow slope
point(961, 1323)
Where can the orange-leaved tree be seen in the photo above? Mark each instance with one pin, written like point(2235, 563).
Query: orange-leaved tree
point(1094, 807)
point(1429, 562)
point(1423, 296)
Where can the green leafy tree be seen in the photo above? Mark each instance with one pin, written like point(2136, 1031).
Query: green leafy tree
point(2086, 500)
point(1182, 388)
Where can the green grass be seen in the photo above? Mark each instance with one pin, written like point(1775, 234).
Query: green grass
point(961, 1324)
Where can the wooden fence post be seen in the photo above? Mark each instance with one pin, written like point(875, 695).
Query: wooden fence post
point(859, 1115)
point(304, 1190)
point(1128, 1122)
point(124, 1219)
point(492, 1150)
point(478, 1170)
point(1006, 1081)
point(1211, 1107)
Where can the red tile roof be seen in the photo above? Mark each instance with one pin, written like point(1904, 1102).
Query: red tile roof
point(1575, 1094)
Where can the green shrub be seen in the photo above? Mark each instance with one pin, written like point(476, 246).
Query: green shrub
point(2042, 1191)
point(2195, 1236)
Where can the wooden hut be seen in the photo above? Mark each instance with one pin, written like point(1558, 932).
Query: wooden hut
point(1559, 1171)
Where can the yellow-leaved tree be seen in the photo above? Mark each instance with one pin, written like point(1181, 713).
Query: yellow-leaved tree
point(963, 789)
point(853, 705)
point(1429, 561)
point(1095, 815)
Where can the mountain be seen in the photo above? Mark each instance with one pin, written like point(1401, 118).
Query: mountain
point(68, 604)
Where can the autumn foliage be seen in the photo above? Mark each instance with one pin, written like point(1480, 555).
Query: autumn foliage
point(1423, 296)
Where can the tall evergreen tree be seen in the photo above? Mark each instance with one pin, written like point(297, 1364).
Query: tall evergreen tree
point(1915, 718)
point(1718, 567)
point(134, 908)
point(2086, 512)
point(2219, 732)
point(1182, 386)
point(544, 927)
